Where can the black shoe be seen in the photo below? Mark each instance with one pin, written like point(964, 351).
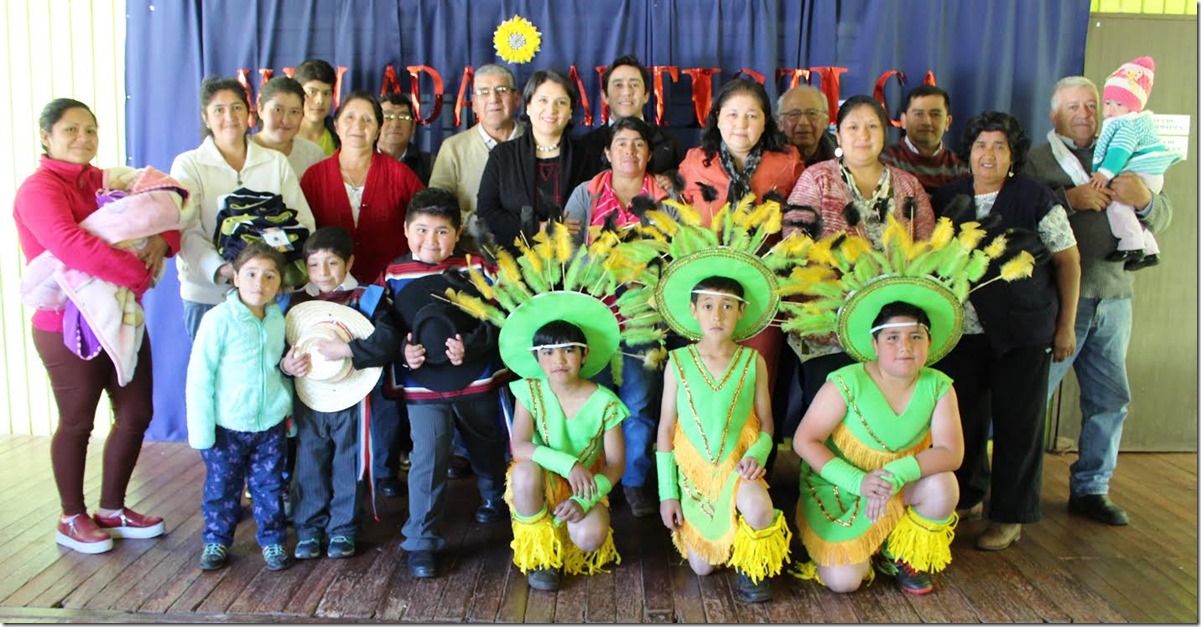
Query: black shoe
point(908, 579)
point(340, 546)
point(458, 468)
point(492, 511)
point(389, 488)
point(423, 564)
point(1124, 255)
point(642, 504)
point(544, 579)
point(1145, 262)
point(1099, 508)
point(307, 549)
point(214, 556)
point(748, 591)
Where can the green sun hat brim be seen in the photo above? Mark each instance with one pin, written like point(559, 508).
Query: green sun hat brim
point(592, 316)
point(673, 294)
point(856, 316)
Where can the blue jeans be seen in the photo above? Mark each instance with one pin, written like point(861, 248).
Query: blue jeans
point(640, 390)
point(1102, 336)
point(192, 313)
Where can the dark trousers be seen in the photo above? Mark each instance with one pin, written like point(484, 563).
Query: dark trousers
point(237, 458)
point(1012, 389)
point(431, 426)
point(77, 384)
point(326, 492)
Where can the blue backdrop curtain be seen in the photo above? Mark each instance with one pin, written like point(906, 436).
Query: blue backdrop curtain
point(989, 54)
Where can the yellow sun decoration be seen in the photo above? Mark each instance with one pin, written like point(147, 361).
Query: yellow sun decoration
point(516, 40)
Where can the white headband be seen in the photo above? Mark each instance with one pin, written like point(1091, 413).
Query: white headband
point(563, 345)
point(893, 325)
point(716, 293)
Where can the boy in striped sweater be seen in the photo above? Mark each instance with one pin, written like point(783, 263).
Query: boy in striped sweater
point(1128, 142)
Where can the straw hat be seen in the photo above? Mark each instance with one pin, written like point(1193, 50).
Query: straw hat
point(331, 385)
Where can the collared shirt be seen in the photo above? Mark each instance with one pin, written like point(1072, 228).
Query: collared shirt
point(490, 143)
point(910, 145)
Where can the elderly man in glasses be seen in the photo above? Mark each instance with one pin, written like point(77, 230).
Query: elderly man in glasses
point(462, 157)
point(804, 117)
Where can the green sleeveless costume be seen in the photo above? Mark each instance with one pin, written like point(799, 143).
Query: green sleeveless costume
point(715, 425)
point(583, 436)
point(834, 527)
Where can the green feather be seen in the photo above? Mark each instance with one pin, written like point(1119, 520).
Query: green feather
point(615, 367)
point(977, 266)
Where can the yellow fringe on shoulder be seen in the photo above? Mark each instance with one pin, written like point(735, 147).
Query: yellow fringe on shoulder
point(827, 553)
point(923, 544)
point(761, 553)
point(577, 562)
point(707, 478)
point(866, 457)
point(536, 544)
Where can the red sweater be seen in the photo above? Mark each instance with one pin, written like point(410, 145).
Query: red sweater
point(379, 237)
point(48, 208)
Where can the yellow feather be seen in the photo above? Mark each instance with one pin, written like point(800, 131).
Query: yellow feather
point(652, 232)
point(534, 260)
point(687, 214)
point(653, 359)
point(895, 234)
point(996, 247)
point(509, 270)
point(944, 230)
point(478, 280)
point(719, 219)
point(663, 221)
point(820, 251)
point(1019, 267)
point(809, 275)
point(970, 235)
point(775, 219)
point(796, 246)
point(853, 246)
point(563, 247)
point(468, 303)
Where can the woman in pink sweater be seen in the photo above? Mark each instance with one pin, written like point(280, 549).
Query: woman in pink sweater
point(47, 209)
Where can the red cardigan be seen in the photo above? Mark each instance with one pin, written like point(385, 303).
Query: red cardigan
point(777, 170)
point(379, 238)
point(48, 208)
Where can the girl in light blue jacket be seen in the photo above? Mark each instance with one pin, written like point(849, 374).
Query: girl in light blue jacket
point(237, 400)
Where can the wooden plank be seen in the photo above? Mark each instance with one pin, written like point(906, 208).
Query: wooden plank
point(658, 557)
point(1050, 576)
point(716, 600)
point(600, 602)
point(493, 572)
point(464, 571)
point(882, 602)
point(245, 560)
point(571, 599)
point(356, 592)
point(628, 536)
point(686, 593)
point(998, 593)
point(514, 594)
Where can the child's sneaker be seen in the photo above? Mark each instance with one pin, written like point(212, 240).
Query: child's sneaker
point(80, 533)
point(127, 523)
point(908, 579)
point(213, 557)
point(307, 549)
point(340, 546)
point(544, 579)
point(276, 557)
point(748, 591)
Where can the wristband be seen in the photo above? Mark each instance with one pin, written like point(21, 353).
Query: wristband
point(669, 480)
point(902, 471)
point(842, 474)
point(760, 449)
point(603, 486)
point(557, 462)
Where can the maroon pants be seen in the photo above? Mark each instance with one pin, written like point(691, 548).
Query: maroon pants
point(77, 384)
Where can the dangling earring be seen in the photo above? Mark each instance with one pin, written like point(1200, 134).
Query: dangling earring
point(838, 152)
point(1011, 170)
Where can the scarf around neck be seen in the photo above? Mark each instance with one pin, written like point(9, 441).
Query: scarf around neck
point(740, 182)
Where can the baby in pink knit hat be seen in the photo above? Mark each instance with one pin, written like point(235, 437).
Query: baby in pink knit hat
point(1128, 142)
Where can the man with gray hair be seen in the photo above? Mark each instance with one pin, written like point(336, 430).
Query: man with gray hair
point(1105, 314)
point(804, 117)
point(461, 158)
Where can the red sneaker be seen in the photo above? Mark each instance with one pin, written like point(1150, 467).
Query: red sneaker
point(80, 533)
point(130, 524)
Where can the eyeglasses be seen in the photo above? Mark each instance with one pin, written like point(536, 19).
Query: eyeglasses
point(392, 117)
point(499, 90)
point(795, 114)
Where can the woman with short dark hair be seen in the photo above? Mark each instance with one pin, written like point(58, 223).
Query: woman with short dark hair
point(1012, 331)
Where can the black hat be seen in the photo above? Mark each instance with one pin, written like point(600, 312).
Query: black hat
point(432, 322)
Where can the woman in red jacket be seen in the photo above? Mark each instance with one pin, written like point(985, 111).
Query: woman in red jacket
point(48, 209)
point(361, 190)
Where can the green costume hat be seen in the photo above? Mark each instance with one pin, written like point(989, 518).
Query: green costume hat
point(552, 280)
point(728, 247)
point(848, 282)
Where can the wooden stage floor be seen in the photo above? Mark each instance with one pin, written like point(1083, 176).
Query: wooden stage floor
point(1064, 569)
